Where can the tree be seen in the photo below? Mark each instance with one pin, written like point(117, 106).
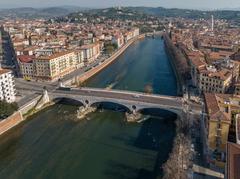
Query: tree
point(109, 49)
point(7, 109)
point(148, 89)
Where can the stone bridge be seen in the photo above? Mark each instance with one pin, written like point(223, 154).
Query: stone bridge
point(133, 101)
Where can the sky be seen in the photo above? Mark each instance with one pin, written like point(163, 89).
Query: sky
point(191, 4)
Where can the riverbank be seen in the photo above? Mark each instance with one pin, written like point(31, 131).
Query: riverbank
point(24, 112)
point(178, 62)
point(90, 73)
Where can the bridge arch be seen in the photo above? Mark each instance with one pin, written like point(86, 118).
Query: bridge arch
point(111, 105)
point(68, 100)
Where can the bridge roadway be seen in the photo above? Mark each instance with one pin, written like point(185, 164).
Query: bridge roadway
point(125, 98)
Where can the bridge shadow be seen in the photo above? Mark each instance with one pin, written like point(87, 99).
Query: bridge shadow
point(157, 134)
point(119, 171)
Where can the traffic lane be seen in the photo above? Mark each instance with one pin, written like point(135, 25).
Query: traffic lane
point(29, 85)
point(146, 99)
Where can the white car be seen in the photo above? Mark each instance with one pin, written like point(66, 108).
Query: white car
point(136, 96)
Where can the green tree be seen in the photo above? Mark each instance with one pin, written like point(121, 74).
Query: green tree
point(148, 89)
point(7, 109)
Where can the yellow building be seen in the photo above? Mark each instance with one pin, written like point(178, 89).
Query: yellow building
point(221, 110)
point(55, 66)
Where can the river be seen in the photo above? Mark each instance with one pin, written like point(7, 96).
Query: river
point(52, 144)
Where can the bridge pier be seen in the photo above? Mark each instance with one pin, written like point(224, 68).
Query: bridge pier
point(134, 115)
point(43, 100)
point(85, 109)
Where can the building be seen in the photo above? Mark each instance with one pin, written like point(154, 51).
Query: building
point(233, 161)
point(237, 88)
point(79, 58)
point(7, 91)
point(118, 40)
point(90, 52)
point(196, 64)
point(1, 48)
point(136, 32)
point(50, 67)
point(26, 66)
point(214, 81)
point(221, 110)
point(55, 66)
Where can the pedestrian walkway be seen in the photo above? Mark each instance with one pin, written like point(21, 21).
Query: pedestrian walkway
point(206, 171)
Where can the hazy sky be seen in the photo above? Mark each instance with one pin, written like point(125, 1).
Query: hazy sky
point(196, 4)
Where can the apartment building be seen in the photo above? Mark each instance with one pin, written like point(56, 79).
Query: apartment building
point(7, 91)
point(118, 39)
point(214, 81)
point(27, 67)
point(79, 58)
point(55, 66)
point(1, 48)
point(196, 65)
point(90, 52)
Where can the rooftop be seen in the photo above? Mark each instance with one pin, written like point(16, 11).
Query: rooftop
point(3, 71)
point(56, 55)
point(233, 161)
point(215, 105)
point(26, 58)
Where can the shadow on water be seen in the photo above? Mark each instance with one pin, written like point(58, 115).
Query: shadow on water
point(119, 171)
point(150, 137)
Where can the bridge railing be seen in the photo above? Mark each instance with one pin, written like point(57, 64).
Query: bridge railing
point(125, 92)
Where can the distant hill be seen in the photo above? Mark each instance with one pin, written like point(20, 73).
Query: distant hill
point(187, 13)
point(123, 12)
point(137, 13)
point(29, 12)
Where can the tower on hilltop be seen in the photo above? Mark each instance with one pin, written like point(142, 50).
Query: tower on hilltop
point(212, 27)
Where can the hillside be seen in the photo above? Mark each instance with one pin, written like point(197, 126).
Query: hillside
point(29, 13)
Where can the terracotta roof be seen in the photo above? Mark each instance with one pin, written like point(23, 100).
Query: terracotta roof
point(222, 74)
point(233, 161)
point(213, 102)
point(198, 62)
point(88, 46)
point(2, 71)
point(25, 58)
point(56, 55)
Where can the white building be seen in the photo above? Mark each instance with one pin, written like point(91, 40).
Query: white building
point(7, 91)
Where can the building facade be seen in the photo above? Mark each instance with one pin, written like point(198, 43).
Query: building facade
point(221, 110)
point(7, 90)
point(55, 66)
point(90, 52)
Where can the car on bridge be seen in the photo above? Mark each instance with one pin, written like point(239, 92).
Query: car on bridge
point(136, 96)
